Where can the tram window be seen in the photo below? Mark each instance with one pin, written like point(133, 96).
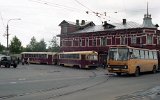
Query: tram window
point(35, 55)
point(46, 55)
point(92, 57)
point(42, 55)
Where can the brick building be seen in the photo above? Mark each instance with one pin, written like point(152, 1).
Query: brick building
point(86, 36)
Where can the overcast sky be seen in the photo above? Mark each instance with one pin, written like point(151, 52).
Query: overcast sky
point(40, 18)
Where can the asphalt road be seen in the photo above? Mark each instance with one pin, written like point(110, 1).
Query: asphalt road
point(49, 82)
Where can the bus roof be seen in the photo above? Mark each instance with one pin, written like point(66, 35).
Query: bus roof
point(79, 52)
point(125, 46)
point(39, 53)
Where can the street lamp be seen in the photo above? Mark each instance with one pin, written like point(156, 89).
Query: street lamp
point(8, 29)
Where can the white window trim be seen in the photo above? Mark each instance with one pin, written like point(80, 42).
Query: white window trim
point(151, 41)
point(87, 42)
point(116, 39)
point(135, 39)
point(108, 39)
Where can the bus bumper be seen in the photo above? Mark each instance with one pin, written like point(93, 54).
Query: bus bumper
point(117, 70)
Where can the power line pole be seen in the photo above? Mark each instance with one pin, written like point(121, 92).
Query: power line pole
point(7, 29)
point(7, 36)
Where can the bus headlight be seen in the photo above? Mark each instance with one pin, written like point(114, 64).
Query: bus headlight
point(125, 67)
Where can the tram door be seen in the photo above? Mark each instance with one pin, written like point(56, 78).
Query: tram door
point(49, 59)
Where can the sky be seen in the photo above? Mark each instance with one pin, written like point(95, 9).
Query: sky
point(40, 18)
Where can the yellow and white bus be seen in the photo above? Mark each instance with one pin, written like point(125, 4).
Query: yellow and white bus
point(130, 60)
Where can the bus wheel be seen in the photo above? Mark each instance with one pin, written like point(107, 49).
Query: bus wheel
point(137, 72)
point(119, 74)
point(154, 70)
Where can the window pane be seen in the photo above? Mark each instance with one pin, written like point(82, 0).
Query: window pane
point(142, 54)
point(150, 55)
point(155, 54)
point(149, 39)
point(146, 54)
point(136, 53)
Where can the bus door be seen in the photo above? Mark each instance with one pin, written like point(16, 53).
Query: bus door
point(49, 59)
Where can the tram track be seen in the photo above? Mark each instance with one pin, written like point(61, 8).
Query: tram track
point(63, 90)
point(79, 90)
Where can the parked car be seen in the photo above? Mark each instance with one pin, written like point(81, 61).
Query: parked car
point(8, 61)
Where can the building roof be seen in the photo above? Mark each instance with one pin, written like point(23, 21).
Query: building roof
point(118, 26)
point(67, 22)
point(73, 23)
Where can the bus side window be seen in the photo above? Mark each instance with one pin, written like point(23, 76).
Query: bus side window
point(142, 54)
point(155, 54)
point(150, 55)
point(146, 54)
point(132, 55)
point(136, 53)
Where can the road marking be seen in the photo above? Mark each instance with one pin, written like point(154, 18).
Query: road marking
point(22, 79)
point(13, 82)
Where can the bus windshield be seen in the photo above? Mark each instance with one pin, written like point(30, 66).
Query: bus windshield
point(118, 54)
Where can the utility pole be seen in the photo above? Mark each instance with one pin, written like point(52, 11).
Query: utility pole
point(7, 36)
point(7, 29)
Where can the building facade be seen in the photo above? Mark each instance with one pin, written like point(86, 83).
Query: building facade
point(87, 36)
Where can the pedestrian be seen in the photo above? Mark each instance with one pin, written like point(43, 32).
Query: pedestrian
point(28, 61)
point(18, 60)
point(22, 61)
point(104, 64)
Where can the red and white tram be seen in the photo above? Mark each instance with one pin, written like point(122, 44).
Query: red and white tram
point(81, 59)
point(40, 57)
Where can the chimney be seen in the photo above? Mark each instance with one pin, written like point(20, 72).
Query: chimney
point(77, 22)
point(105, 22)
point(83, 22)
point(124, 21)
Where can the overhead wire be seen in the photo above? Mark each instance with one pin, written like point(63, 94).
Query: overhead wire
point(3, 23)
point(56, 5)
point(102, 16)
point(2, 20)
point(83, 5)
point(99, 15)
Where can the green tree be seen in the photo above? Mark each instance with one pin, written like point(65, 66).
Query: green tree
point(15, 46)
point(54, 45)
point(41, 46)
point(35, 46)
point(2, 47)
point(31, 47)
